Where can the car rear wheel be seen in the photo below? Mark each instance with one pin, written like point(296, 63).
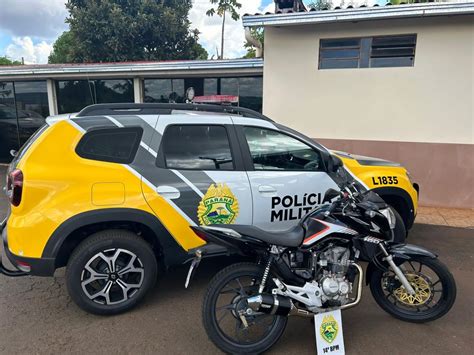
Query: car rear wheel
point(110, 272)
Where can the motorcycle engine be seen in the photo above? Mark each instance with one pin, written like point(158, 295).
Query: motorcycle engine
point(334, 264)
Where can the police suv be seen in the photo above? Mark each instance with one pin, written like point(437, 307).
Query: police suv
point(111, 192)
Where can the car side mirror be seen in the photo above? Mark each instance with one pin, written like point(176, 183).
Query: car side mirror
point(329, 195)
point(336, 163)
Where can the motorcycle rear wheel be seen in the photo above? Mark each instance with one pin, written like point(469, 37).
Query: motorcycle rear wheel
point(432, 281)
point(237, 282)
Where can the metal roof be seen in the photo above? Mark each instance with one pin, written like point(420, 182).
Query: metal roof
point(131, 68)
point(362, 13)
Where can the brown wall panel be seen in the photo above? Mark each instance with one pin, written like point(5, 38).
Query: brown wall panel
point(445, 172)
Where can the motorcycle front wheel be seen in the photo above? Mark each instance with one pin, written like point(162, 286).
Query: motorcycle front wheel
point(224, 305)
point(434, 285)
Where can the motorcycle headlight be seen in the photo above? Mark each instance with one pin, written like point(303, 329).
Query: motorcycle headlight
point(388, 213)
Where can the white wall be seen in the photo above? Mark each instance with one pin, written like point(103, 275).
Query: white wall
point(430, 102)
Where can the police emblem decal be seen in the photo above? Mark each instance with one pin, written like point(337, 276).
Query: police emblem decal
point(218, 206)
point(329, 328)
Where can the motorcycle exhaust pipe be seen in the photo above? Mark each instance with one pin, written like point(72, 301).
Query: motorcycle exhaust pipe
point(276, 304)
point(270, 304)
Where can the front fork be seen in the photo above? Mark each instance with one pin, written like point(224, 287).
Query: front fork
point(398, 272)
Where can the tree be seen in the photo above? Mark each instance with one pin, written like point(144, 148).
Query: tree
point(128, 30)
point(321, 5)
point(257, 33)
point(224, 6)
point(7, 61)
point(63, 49)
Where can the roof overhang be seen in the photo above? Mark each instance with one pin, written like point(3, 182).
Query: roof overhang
point(359, 14)
point(125, 70)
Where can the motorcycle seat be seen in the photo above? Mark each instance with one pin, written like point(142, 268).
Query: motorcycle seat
point(292, 237)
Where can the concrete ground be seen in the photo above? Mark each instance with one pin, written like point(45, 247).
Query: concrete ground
point(37, 315)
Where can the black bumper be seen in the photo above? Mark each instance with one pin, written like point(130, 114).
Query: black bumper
point(35, 266)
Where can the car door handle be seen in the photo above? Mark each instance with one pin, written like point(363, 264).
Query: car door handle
point(169, 192)
point(266, 189)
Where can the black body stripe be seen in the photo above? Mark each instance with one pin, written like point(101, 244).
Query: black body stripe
point(188, 201)
point(148, 131)
point(87, 123)
point(198, 178)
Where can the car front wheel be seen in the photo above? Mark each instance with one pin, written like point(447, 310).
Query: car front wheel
point(110, 272)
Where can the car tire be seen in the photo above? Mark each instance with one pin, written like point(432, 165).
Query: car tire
point(400, 232)
point(110, 272)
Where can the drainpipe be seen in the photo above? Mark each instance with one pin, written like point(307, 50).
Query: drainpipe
point(254, 42)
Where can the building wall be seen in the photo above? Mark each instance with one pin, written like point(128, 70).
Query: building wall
point(421, 116)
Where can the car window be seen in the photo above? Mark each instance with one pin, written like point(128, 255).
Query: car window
point(272, 150)
point(115, 145)
point(197, 147)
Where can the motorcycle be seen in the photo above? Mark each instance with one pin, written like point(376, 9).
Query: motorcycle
point(315, 267)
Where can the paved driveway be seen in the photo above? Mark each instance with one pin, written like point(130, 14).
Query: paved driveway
point(37, 316)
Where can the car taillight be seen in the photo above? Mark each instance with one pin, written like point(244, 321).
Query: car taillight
point(15, 187)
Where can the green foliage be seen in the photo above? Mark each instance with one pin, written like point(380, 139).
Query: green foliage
point(320, 4)
point(7, 61)
point(63, 49)
point(127, 30)
point(223, 7)
point(257, 33)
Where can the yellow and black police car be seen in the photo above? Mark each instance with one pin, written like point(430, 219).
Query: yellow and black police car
point(111, 192)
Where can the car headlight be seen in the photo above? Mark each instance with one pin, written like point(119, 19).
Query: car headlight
point(388, 213)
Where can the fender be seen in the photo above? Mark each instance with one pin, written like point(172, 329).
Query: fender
point(400, 252)
point(172, 251)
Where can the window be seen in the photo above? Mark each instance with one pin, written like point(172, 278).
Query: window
point(74, 95)
point(393, 51)
point(196, 147)
point(251, 90)
point(272, 150)
point(210, 86)
point(32, 103)
point(164, 90)
point(116, 145)
point(18, 123)
point(367, 52)
point(248, 89)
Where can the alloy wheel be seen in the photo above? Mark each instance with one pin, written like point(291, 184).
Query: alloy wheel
point(112, 276)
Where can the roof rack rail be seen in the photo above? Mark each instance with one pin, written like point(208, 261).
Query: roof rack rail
point(165, 109)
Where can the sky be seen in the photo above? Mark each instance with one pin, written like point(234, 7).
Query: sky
point(28, 28)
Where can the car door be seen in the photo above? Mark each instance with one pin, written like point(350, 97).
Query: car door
point(286, 175)
point(199, 170)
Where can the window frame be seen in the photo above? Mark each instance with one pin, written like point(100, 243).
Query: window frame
point(233, 145)
point(365, 51)
point(104, 130)
point(247, 154)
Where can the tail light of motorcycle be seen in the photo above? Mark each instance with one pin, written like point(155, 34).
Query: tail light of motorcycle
point(14, 187)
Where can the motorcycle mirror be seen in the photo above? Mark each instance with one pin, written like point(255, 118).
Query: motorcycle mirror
point(336, 163)
point(329, 195)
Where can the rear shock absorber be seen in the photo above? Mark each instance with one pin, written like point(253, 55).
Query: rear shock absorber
point(265, 274)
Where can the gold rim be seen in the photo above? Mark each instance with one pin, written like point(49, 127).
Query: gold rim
point(422, 287)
